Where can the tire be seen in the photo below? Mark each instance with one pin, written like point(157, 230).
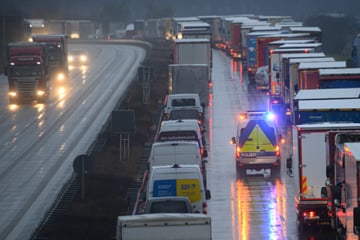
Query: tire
point(300, 225)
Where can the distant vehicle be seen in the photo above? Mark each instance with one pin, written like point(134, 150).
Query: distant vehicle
point(262, 78)
point(27, 72)
point(257, 143)
point(57, 48)
point(78, 57)
point(168, 205)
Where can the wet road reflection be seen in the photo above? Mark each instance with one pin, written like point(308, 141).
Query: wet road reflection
point(256, 207)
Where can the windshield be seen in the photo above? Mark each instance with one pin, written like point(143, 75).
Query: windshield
point(183, 102)
point(183, 114)
point(25, 70)
point(178, 136)
point(55, 54)
point(169, 207)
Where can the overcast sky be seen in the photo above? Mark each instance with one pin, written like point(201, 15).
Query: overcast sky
point(295, 8)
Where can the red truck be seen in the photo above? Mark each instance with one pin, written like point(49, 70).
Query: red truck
point(57, 54)
point(27, 72)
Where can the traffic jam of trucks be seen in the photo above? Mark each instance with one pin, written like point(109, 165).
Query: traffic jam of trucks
point(313, 94)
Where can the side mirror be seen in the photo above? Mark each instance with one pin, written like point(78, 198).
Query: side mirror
point(207, 194)
point(324, 193)
point(356, 212)
point(233, 140)
point(205, 153)
point(330, 171)
point(337, 194)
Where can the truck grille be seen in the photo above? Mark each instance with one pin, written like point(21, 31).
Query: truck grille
point(26, 87)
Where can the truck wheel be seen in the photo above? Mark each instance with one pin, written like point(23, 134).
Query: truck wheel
point(300, 223)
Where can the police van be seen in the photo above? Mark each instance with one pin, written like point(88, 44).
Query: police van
point(257, 143)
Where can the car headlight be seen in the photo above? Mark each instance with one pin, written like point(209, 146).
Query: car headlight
point(60, 76)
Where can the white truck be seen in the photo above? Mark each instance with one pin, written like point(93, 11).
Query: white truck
point(190, 78)
point(192, 51)
point(164, 226)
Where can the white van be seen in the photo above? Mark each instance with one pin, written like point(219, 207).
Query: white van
point(179, 180)
point(177, 152)
point(183, 101)
point(182, 130)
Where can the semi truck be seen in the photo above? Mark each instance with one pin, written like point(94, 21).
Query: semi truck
point(309, 77)
point(251, 50)
point(275, 84)
point(190, 78)
point(339, 78)
point(27, 72)
point(164, 226)
point(309, 159)
point(192, 51)
point(322, 105)
point(57, 49)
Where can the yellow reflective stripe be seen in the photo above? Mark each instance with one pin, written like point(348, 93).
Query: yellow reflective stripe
point(259, 142)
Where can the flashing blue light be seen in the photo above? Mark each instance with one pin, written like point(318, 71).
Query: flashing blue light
point(270, 116)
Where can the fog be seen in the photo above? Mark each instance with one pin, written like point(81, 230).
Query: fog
point(140, 9)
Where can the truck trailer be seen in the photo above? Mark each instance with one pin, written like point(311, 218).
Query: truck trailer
point(192, 51)
point(309, 158)
point(57, 49)
point(190, 78)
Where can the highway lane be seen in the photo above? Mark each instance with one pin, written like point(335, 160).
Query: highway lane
point(257, 207)
point(39, 142)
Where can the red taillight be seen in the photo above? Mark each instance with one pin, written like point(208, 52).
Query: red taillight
point(277, 151)
point(310, 214)
point(306, 51)
point(238, 150)
point(210, 84)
